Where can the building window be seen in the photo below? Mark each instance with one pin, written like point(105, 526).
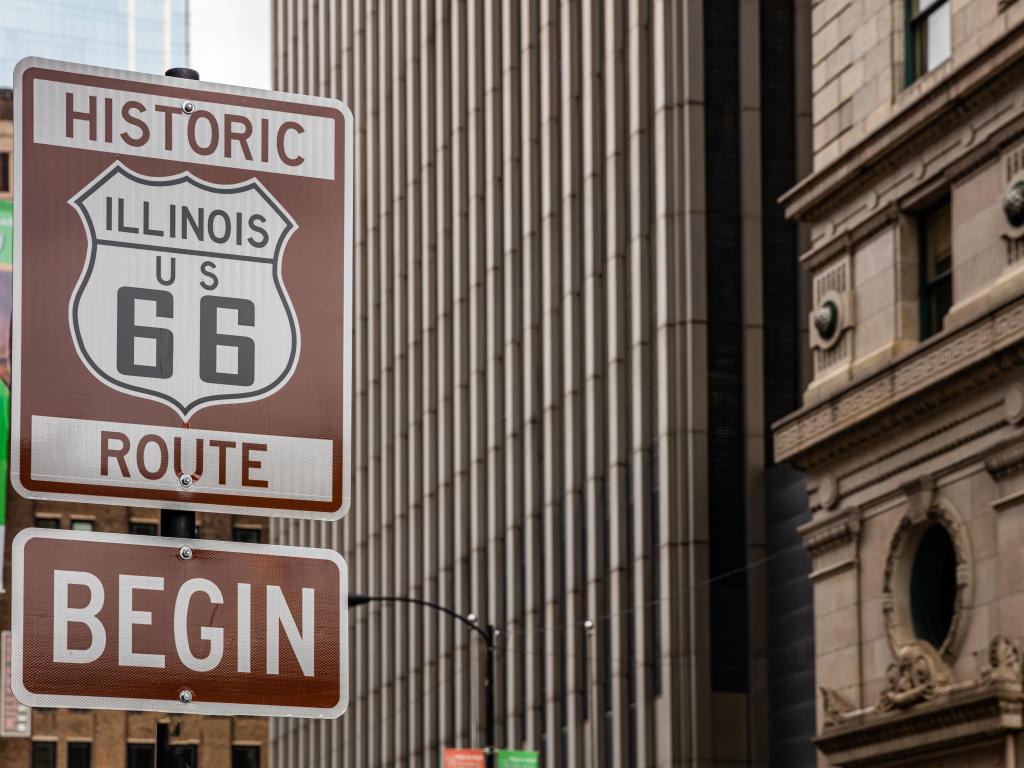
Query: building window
point(184, 756)
point(83, 525)
point(141, 755)
point(47, 522)
point(5, 172)
point(79, 754)
point(929, 42)
point(141, 528)
point(936, 245)
point(247, 535)
point(933, 586)
point(44, 754)
point(245, 756)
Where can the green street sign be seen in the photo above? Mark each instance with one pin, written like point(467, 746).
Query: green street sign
point(510, 758)
point(6, 232)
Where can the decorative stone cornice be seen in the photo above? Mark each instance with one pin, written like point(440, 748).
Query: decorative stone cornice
point(934, 113)
point(835, 706)
point(1004, 663)
point(822, 535)
point(922, 709)
point(920, 493)
point(1007, 462)
point(914, 677)
point(940, 370)
point(954, 718)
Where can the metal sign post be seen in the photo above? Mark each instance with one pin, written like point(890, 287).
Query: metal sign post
point(178, 523)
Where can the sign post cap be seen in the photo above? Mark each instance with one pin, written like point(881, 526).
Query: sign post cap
point(185, 72)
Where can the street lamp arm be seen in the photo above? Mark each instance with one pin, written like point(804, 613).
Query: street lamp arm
point(487, 633)
point(355, 599)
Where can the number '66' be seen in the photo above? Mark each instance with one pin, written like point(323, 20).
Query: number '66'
point(210, 340)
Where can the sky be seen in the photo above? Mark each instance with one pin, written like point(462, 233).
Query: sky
point(229, 41)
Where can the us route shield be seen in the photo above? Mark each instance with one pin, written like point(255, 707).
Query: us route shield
point(183, 283)
point(188, 276)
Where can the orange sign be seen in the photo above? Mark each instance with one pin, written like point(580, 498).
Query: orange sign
point(183, 294)
point(464, 758)
point(114, 621)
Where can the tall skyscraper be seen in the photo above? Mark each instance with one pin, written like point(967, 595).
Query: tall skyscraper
point(143, 35)
point(577, 312)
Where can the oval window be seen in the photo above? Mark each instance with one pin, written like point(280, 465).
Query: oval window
point(933, 586)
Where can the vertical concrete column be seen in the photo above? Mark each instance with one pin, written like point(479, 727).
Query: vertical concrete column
point(406, 621)
point(446, 453)
point(573, 461)
point(640, 301)
point(672, 549)
point(359, 681)
point(594, 400)
point(386, 510)
point(493, 494)
point(751, 219)
point(477, 318)
point(551, 345)
point(373, 554)
point(514, 657)
point(430, 109)
point(533, 367)
point(414, 258)
point(461, 170)
point(694, 202)
point(619, 597)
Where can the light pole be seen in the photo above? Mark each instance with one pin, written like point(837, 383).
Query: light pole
point(488, 633)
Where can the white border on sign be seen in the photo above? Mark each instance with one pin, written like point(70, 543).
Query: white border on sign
point(168, 705)
point(348, 297)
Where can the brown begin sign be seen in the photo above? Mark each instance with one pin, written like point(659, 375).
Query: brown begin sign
point(183, 294)
point(114, 621)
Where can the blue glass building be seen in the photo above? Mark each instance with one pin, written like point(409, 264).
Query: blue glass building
point(142, 35)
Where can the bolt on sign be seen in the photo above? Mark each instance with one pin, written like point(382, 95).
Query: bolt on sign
point(183, 294)
point(113, 621)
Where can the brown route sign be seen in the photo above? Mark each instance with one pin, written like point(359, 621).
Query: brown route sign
point(112, 621)
point(183, 294)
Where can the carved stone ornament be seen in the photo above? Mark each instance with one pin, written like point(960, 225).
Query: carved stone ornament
point(914, 677)
point(834, 706)
point(1004, 662)
point(826, 320)
point(924, 509)
point(1013, 204)
point(832, 316)
point(1013, 403)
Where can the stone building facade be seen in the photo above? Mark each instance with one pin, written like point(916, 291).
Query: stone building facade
point(910, 431)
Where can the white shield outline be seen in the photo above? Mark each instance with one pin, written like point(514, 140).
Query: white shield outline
point(183, 410)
